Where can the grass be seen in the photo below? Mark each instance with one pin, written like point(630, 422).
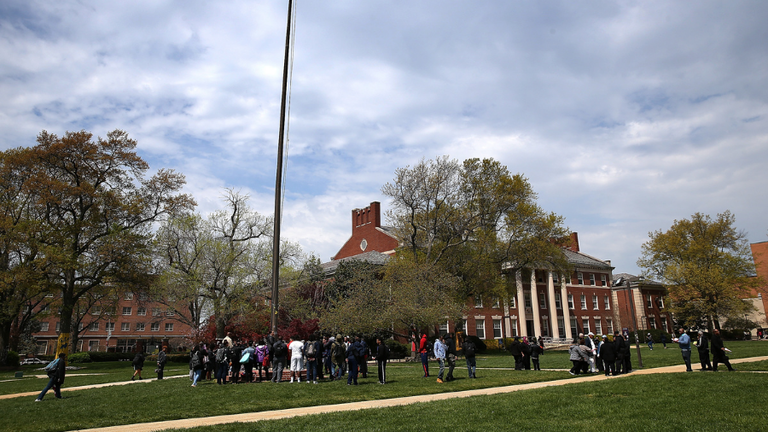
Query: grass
point(174, 399)
point(669, 402)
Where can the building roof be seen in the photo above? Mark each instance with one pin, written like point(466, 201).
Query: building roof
point(622, 279)
point(372, 257)
point(580, 259)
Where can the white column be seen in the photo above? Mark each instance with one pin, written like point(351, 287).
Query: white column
point(566, 311)
point(535, 305)
point(522, 325)
point(552, 307)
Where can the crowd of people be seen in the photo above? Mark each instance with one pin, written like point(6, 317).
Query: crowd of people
point(600, 355)
point(334, 357)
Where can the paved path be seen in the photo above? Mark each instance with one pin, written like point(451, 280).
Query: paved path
point(380, 403)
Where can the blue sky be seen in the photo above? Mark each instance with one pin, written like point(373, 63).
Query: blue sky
point(624, 115)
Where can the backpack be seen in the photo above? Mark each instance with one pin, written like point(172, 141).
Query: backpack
point(311, 351)
point(280, 349)
point(338, 350)
point(50, 367)
point(195, 360)
point(469, 350)
point(221, 355)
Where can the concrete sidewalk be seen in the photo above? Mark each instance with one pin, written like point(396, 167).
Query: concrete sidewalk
point(381, 403)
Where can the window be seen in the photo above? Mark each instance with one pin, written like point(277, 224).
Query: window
point(649, 301)
point(44, 326)
point(93, 327)
point(609, 325)
point(664, 324)
point(595, 303)
point(555, 278)
point(139, 327)
point(570, 302)
point(110, 327)
point(568, 279)
point(514, 327)
point(141, 311)
point(583, 302)
point(93, 345)
point(156, 312)
point(58, 327)
point(513, 302)
point(129, 296)
point(170, 312)
point(545, 325)
point(143, 297)
point(607, 302)
point(155, 327)
point(96, 310)
point(652, 322)
point(42, 347)
point(169, 327)
point(527, 297)
point(478, 301)
point(598, 326)
point(580, 277)
point(585, 324)
point(80, 327)
point(592, 279)
point(574, 327)
point(443, 327)
point(660, 301)
point(497, 329)
point(126, 310)
point(558, 301)
point(125, 327)
point(603, 280)
point(542, 301)
point(561, 327)
point(480, 328)
point(49, 295)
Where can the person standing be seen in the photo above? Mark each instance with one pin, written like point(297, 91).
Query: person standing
point(469, 355)
point(236, 352)
point(262, 358)
point(536, 351)
point(439, 350)
point(424, 352)
point(685, 348)
point(589, 341)
point(517, 352)
point(525, 348)
point(55, 378)
point(352, 356)
point(382, 355)
point(719, 352)
point(575, 355)
point(702, 345)
point(249, 361)
point(270, 340)
point(450, 355)
point(619, 345)
point(338, 353)
point(222, 363)
point(606, 353)
point(162, 358)
point(138, 365)
point(313, 352)
point(280, 351)
point(197, 363)
point(296, 348)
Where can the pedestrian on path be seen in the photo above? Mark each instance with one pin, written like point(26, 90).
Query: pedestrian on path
point(382, 355)
point(439, 350)
point(685, 348)
point(468, 348)
point(55, 378)
point(162, 358)
point(719, 352)
point(138, 365)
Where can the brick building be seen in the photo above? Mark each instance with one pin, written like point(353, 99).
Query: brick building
point(547, 304)
point(131, 323)
point(646, 298)
point(758, 299)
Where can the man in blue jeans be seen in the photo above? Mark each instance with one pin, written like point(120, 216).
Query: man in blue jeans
point(685, 348)
point(56, 376)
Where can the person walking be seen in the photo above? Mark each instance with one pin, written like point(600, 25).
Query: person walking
point(702, 345)
point(450, 355)
point(424, 352)
point(197, 362)
point(56, 376)
point(649, 341)
point(468, 348)
point(439, 350)
point(719, 352)
point(162, 358)
point(138, 365)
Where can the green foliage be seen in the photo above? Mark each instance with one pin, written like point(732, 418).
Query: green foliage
point(480, 346)
point(656, 335)
point(12, 359)
point(397, 350)
point(100, 356)
point(80, 357)
point(705, 264)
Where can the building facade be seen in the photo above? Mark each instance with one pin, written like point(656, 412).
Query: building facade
point(640, 302)
point(132, 323)
point(758, 298)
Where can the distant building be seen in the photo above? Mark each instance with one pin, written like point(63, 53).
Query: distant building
point(645, 298)
point(136, 323)
point(758, 299)
point(547, 304)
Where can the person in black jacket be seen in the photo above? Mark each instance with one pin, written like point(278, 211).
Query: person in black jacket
point(382, 355)
point(607, 354)
point(162, 358)
point(525, 348)
point(621, 346)
point(138, 365)
point(702, 345)
point(468, 348)
point(450, 355)
point(56, 378)
point(516, 350)
point(718, 352)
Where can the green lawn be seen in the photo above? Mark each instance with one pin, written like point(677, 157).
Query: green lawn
point(174, 398)
point(668, 402)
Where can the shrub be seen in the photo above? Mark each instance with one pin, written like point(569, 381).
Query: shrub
point(12, 359)
point(397, 350)
point(492, 344)
point(655, 334)
point(178, 358)
point(81, 357)
point(100, 356)
point(480, 346)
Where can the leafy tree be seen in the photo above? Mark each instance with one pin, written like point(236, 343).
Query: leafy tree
point(475, 220)
point(706, 265)
point(92, 207)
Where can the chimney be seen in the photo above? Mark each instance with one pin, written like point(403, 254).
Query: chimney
point(574, 241)
point(370, 214)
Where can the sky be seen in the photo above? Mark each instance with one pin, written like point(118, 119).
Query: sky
point(624, 115)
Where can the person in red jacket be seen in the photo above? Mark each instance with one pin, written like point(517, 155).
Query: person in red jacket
point(424, 350)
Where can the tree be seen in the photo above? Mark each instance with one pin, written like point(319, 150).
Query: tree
point(216, 266)
point(94, 208)
point(706, 266)
point(475, 220)
point(365, 298)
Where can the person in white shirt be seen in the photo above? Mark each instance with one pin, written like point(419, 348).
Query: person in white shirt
point(296, 348)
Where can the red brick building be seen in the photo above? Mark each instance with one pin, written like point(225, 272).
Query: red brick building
point(135, 323)
point(547, 304)
point(758, 298)
point(645, 298)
